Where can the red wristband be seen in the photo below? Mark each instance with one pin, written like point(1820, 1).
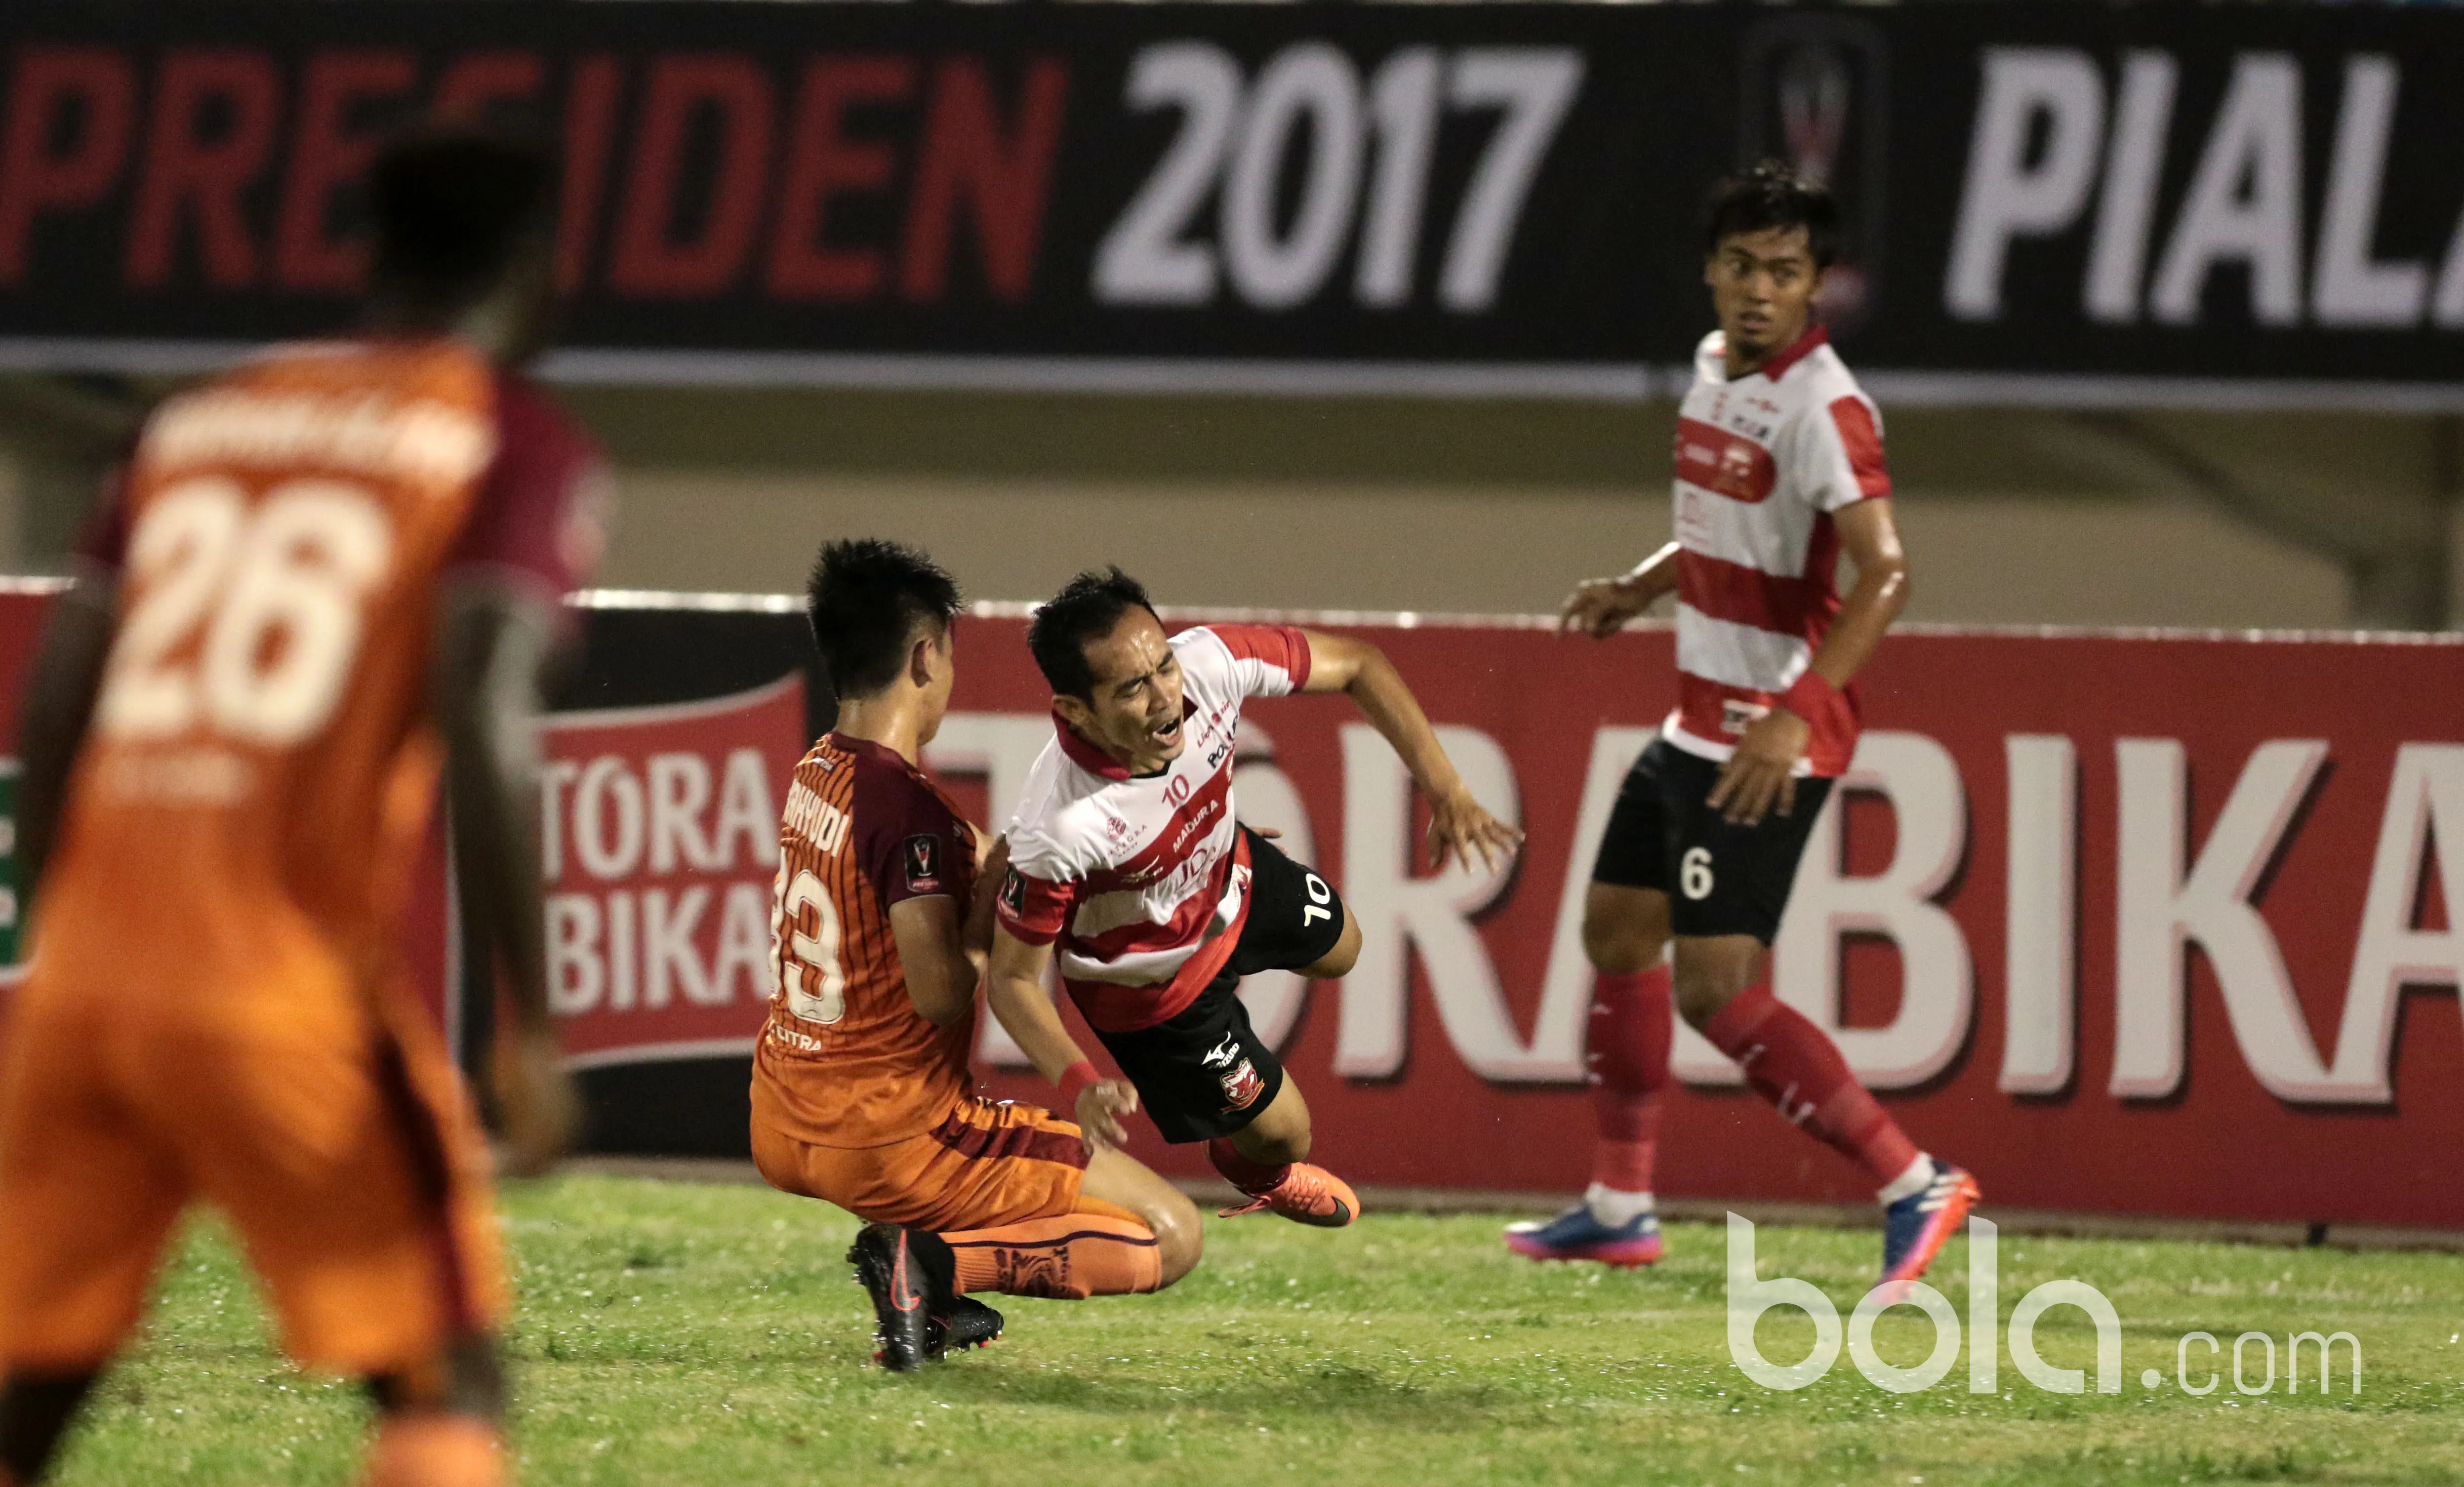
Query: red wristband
point(1074, 1081)
point(1810, 697)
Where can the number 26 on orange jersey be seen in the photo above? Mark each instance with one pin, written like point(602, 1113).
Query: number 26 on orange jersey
point(276, 588)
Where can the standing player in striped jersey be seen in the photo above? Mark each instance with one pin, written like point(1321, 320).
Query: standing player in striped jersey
point(318, 569)
point(861, 1094)
point(1128, 857)
point(1779, 470)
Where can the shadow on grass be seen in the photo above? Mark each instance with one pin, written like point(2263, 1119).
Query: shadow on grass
point(1324, 1390)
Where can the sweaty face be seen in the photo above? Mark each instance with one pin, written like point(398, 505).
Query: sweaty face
point(1762, 286)
point(1134, 712)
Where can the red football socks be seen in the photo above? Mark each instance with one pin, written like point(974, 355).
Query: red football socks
point(1795, 1066)
point(430, 1450)
point(1066, 1258)
point(1626, 1063)
point(1254, 1178)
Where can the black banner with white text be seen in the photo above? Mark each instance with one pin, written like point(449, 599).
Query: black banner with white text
point(2066, 203)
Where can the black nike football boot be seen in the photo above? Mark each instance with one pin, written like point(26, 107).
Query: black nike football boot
point(910, 1275)
point(970, 1323)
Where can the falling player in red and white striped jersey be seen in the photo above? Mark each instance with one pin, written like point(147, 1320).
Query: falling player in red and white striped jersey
point(1126, 857)
point(1779, 470)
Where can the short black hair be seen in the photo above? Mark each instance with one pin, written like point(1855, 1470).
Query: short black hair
point(867, 600)
point(454, 208)
point(1086, 608)
point(1769, 194)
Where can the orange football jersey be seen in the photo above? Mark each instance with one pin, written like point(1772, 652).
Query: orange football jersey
point(260, 766)
point(845, 1059)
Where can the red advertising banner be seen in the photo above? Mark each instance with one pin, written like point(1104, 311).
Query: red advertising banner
point(661, 837)
point(2154, 924)
point(2158, 925)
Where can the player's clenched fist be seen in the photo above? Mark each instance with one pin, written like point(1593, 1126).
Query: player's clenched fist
point(1101, 1107)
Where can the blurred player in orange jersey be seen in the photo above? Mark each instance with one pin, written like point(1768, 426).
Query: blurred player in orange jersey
point(319, 577)
point(861, 1094)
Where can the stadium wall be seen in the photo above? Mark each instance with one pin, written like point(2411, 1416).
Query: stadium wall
point(1998, 915)
point(1981, 556)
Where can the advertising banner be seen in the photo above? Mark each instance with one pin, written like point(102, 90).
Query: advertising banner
point(661, 837)
point(2078, 204)
point(2145, 924)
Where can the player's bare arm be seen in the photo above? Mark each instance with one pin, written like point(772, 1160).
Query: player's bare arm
point(1601, 607)
point(495, 643)
point(1014, 990)
point(1459, 827)
point(59, 702)
point(1760, 776)
point(942, 952)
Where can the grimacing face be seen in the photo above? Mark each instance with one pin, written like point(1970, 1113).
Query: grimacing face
point(1763, 285)
point(1134, 712)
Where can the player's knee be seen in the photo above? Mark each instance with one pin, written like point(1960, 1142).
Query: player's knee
point(1180, 1235)
point(1615, 946)
point(1624, 930)
point(1700, 991)
point(1339, 961)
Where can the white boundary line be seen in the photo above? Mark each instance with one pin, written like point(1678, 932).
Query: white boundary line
point(1568, 381)
point(1412, 619)
point(1579, 382)
point(672, 712)
point(2218, 394)
point(662, 1053)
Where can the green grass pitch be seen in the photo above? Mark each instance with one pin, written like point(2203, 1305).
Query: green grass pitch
point(708, 1335)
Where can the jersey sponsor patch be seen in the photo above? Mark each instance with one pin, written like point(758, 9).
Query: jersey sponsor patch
point(923, 858)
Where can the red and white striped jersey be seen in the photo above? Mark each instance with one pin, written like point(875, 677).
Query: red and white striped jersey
point(1762, 463)
point(1143, 882)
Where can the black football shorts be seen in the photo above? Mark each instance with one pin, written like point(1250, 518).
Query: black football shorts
point(1721, 878)
point(1204, 1072)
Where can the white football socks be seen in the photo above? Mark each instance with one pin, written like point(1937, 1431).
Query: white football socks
point(1919, 1176)
point(1613, 1209)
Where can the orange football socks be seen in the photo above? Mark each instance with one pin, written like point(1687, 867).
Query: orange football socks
point(1069, 1259)
point(430, 1450)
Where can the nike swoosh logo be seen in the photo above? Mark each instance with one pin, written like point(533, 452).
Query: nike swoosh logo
point(902, 1292)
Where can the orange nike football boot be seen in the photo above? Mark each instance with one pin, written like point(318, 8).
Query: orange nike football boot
point(1308, 1195)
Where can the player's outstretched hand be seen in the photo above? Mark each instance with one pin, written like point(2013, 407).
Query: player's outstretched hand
point(1761, 775)
point(1101, 1108)
point(1459, 828)
point(536, 1101)
point(1600, 608)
